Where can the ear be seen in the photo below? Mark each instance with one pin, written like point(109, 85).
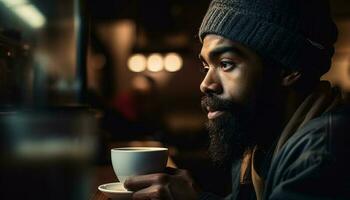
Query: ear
point(290, 78)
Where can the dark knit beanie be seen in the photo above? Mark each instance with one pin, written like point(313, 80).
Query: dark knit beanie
point(298, 34)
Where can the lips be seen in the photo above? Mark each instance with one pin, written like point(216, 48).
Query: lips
point(212, 114)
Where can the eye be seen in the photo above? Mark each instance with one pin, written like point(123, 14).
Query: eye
point(227, 65)
point(205, 68)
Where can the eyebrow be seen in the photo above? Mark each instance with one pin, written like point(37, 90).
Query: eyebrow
point(223, 49)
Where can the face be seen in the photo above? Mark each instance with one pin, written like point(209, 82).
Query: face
point(233, 74)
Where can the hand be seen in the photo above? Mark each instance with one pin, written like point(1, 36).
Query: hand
point(176, 184)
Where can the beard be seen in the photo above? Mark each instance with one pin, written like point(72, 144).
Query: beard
point(230, 133)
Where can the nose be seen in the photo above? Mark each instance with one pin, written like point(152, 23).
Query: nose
point(211, 83)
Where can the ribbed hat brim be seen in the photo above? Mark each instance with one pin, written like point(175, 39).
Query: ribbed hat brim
point(267, 39)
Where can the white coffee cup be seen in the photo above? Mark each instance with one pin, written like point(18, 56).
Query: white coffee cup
point(133, 161)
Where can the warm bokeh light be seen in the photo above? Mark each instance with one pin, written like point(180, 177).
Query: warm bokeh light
point(137, 63)
point(31, 15)
point(155, 62)
point(27, 12)
point(10, 3)
point(173, 62)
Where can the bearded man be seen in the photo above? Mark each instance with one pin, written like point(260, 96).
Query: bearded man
point(282, 131)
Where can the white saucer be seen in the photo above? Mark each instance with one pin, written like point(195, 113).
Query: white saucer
point(115, 191)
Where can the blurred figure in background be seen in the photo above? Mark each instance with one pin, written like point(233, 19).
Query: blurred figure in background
point(141, 109)
point(128, 115)
point(99, 73)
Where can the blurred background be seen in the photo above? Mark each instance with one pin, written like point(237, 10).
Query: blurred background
point(79, 77)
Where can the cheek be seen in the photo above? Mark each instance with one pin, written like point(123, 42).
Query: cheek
point(240, 85)
point(235, 87)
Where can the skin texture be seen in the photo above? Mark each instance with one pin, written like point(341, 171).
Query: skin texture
point(233, 76)
point(230, 75)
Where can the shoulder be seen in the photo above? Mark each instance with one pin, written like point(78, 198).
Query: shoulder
point(316, 154)
point(326, 135)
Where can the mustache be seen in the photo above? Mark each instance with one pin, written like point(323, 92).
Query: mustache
point(217, 103)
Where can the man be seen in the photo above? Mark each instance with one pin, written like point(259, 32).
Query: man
point(282, 131)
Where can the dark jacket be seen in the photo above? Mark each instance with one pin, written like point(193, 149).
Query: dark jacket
point(313, 164)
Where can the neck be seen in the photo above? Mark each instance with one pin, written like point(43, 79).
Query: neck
point(273, 117)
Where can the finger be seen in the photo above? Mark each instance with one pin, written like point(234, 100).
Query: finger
point(183, 174)
point(178, 173)
point(155, 192)
point(171, 170)
point(139, 182)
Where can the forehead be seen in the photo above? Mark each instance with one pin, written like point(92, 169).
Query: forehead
point(212, 42)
